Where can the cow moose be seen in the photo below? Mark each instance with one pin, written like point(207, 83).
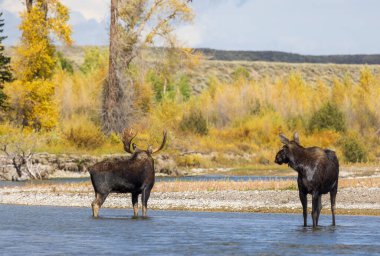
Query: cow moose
point(318, 171)
point(134, 175)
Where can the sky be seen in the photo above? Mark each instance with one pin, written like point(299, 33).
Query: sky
point(315, 27)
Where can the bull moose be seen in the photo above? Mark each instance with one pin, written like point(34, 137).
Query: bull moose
point(318, 171)
point(134, 175)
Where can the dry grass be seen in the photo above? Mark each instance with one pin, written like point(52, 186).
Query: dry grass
point(81, 187)
point(360, 183)
point(194, 186)
point(182, 186)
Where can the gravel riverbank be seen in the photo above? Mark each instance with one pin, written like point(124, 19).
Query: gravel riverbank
point(364, 201)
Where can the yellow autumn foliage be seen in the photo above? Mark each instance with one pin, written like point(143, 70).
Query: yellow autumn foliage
point(32, 103)
point(31, 95)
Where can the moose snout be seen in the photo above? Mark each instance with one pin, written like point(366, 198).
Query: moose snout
point(278, 159)
point(281, 157)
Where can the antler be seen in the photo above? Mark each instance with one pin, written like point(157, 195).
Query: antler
point(127, 137)
point(162, 144)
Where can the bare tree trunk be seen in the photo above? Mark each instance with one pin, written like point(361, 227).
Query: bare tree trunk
point(115, 110)
point(112, 91)
point(44, 6)
point(29, 5)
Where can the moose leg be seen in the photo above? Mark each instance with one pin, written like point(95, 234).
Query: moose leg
point(303, 198)
point(97, 203)
point(93, 206)
point(144, 199)
point(135, 197)
point(314, 211)
point(332, 199)
point(319, 207)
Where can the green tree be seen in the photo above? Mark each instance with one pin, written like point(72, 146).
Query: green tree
point(94, 58)
point(353, 148)
point(5, 69)
point(64, 63)
point(328, 117)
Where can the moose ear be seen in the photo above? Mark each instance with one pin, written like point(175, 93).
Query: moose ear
point(296, 137)
point(283, 139)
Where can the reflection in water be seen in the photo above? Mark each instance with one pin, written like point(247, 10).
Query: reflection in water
point(318, 229)
point(60, 230)
point(121, 217)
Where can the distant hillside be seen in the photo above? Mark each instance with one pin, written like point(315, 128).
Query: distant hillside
point(76, 53)
point(272, 56)
point(271, 66)
point(271, 71)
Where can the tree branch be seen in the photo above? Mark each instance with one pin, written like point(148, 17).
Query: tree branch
point(150, 13)
point(154, 31)
point(4, 149)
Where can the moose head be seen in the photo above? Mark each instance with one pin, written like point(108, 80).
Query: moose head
point(286, 153)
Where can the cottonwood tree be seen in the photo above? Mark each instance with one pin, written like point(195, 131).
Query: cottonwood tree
point(134, 25)
point(31, 94)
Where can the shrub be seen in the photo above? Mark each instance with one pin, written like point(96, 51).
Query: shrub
point(194, 122)
point(114, 138)
point(240, 73)
point(192, 161)
point(184, 87)
point(143, 97)
point(162, 86)
point(84, 134)
point(65, 63)
point(328, 117)
point(94, 58)
point(6, 129)
point(189, 161)
point(353, 149)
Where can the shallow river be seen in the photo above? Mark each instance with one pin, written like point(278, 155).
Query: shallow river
point(32, 230)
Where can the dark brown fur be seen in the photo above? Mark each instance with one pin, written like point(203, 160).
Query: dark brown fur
point(318, 171)
point(134, 175)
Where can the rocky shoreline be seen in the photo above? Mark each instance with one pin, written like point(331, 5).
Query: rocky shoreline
point(72, 165)
point(363, 201)
point(65, 165)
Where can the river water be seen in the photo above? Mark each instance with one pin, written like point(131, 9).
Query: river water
point(33, 230)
